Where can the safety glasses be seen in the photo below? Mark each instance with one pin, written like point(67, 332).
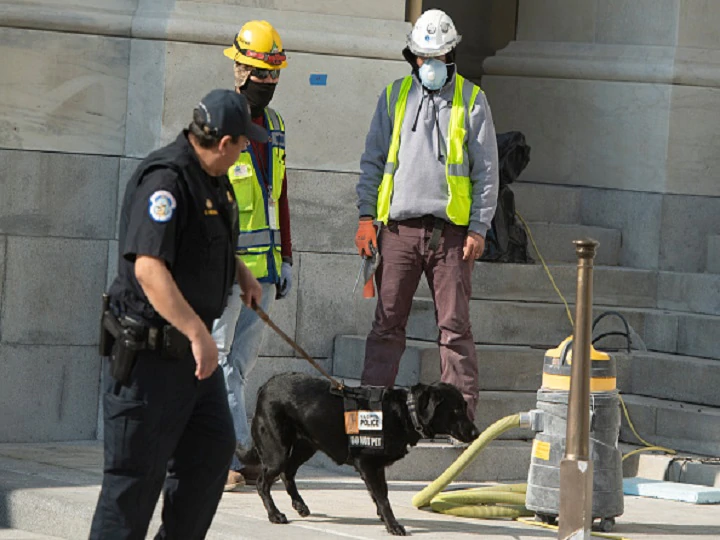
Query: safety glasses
point(265, 73)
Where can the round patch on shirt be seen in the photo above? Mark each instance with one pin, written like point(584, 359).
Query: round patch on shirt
point(162, 205)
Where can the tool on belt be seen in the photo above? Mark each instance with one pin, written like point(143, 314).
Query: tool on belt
point(368, 266)
point(264, 316)
point(122, 338)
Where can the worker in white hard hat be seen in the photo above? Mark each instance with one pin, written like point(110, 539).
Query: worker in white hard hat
point(429, 181)
point(260, 185)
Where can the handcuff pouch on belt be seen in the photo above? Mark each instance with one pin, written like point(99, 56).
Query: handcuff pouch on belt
point(121, 340)
point(363, 418)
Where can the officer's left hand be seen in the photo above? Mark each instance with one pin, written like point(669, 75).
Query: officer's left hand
point(474, 246)
point(285, 280)
point(205, 353)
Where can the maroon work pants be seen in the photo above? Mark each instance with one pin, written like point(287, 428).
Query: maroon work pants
point(405, 257)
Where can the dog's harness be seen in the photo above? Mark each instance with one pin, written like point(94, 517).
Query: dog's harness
point(412, 409)
point(363, 417)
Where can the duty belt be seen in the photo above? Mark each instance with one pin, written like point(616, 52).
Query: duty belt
point(153, 338)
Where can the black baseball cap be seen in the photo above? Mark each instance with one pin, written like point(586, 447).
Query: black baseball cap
point(225, 112)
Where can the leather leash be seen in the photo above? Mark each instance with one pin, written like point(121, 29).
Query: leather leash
point(264, 316)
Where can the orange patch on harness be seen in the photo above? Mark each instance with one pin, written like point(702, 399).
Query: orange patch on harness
point(351, 423)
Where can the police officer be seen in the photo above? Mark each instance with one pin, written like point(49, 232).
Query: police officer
point(167, 421)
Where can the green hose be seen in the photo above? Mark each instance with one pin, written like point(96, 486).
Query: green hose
point(425, 497)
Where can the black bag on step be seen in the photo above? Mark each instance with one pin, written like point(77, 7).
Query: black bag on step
point(506, 241)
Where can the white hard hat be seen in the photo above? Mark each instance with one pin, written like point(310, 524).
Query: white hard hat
point(434, 34)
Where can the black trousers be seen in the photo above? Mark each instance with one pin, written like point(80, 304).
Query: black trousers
point(166, 429)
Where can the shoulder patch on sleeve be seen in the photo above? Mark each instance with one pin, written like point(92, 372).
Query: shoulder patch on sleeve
point(161, 206)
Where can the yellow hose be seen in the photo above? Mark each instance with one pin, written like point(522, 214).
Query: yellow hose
point(505, 501)
point(424, 497)
point(501, 501)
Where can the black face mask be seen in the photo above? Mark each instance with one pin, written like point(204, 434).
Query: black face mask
point(258, 95)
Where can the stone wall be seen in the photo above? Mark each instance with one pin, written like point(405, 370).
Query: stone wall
point(88, 88)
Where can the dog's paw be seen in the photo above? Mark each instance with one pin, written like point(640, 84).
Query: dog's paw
point(301, 508)
point(396, 529)
point(277, 518)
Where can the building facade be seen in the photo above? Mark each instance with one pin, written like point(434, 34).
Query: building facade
point(619, 100)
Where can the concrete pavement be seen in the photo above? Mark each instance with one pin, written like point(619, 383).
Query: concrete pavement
point(49, 491)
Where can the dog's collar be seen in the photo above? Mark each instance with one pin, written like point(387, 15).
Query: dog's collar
point(412, 409)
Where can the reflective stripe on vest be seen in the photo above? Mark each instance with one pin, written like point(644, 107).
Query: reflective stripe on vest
point(259, 240)
point(457, 165)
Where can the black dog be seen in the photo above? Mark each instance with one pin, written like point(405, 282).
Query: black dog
point(297, 415)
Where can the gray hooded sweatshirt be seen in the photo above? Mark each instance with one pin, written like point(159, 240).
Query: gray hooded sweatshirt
point(420, 183)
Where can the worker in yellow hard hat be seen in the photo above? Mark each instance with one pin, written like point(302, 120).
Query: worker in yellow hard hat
point(258, 54)
point(260, 185)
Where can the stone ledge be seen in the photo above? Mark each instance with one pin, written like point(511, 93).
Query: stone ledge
point(207, 23)
point(595, 61)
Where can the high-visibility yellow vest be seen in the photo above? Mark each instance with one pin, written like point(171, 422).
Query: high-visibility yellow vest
point(457, 165)
point(259, 241)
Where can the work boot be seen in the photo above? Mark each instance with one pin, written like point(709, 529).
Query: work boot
point(235, 480)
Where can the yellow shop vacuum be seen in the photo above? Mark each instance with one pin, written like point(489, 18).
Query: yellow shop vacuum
point(543, 489)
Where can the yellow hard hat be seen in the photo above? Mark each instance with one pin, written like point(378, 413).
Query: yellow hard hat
point(258, 44)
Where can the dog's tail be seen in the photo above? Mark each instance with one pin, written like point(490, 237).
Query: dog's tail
point(248, 456)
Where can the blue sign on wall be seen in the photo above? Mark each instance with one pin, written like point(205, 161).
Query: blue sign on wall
point(318, 79)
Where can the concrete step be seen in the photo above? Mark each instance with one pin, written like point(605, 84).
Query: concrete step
point(545, 325)
point(510, 377)
point(555, 242)
point(712, 259)
point(547, 203)
point(673, 377)
point(696, 293)
point(501, 367)
point(501, 460)
point(680, 426)
point(511, 323)
point(324, 308)
point(612, 285)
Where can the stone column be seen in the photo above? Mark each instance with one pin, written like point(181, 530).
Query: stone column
point(622, 96)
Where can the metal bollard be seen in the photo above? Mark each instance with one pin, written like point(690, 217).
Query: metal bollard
point(576, 468)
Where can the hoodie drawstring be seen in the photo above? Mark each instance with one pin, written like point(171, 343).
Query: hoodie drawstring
point(436, 113)
point(417, 115)
point(441, 153)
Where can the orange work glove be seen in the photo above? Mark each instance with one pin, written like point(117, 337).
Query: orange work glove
point(366, 234)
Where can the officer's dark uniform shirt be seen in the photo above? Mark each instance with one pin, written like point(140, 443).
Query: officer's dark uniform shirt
point(175, 211)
